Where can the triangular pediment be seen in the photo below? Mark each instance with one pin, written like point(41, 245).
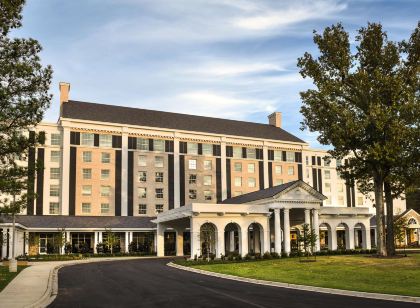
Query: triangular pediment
point(300, 191)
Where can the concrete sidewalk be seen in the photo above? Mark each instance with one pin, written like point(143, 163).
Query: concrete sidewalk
point(37, 285)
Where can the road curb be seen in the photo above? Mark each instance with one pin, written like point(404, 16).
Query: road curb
point(380, 296)
point(52, 287)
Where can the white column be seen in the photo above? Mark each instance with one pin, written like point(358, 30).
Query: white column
point(160, 239)
point(308, 217)
point(27, 244)
point(65, 171)
point(265, 164)
point(243, 237)
point(315, 226)
point(195, 239)
point(231, 240)
point(100, 237)
point(126, 240)
point(95, 242)
point(176, 173)
point(257, 241)
point(350, 238)
point(179, 242)
point(277, 232)
point(223, 169)
point(220, 243)
point(266, 238)
point(68, 236)
point(286, 224)
point(124, 173)
point(333, 238)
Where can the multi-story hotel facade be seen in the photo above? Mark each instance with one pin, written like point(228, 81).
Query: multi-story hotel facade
point(158, 179)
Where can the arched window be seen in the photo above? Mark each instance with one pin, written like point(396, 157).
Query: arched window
point(412, 221)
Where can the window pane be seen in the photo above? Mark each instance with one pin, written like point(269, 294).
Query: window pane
point(54, 190)
point(159, 177)
point(327, 174)
point(192, 194)
point(105, 140)
point(207, 180)
point(85, 208)
point(54, 208)
point(192, 164)
point(251, 182)
point(105, 191)
point(207, 149)
point(159, 162)
point(55, 173)
point(87, 139)
point(142, 176)
point(251, 153)
point(87, 156)
point(105, 158)
point(237, 152)
point(142, 144)
point(290, 156)
point(277, 155)
point(104, 208)
point(159, 208)
point(142, 192)
point(327, 187)
point(142, 209)
point(279, 170)
point(86, 190)
point(192, 148)
point(159, 145)
point(290, 170)
point(207, 165)
point(87, 174)
point(55, 139)
point(55, 156)
point(105, 174)
point(193, 179)
point(142, 161)
point(251, 168)
point(159, 193)
point(238, 167)
point(238, 181)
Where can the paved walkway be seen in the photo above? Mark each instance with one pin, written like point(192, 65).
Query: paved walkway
point(35, 284)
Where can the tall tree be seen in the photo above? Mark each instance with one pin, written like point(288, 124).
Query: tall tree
point(365, 104)
point(24, 97)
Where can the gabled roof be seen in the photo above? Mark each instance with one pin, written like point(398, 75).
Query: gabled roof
point(52, 221)
point(265, 193)
point(159, 119)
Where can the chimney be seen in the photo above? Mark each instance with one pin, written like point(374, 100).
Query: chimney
point(64, 92)
point(274, 119)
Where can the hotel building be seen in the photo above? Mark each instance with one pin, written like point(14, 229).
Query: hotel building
point(158, 179)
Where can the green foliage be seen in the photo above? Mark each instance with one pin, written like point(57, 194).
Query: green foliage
point(400, 228)
point(24, 97)
point(366, 105)
point(306, 240)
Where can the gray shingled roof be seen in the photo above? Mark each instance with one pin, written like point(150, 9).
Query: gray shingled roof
point(151, 118)
point(81, 221)
point(259, 194)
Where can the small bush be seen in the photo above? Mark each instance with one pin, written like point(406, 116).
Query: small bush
point(275, 255)
point(267, 256)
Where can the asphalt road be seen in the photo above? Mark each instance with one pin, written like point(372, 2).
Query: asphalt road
point(150, 283)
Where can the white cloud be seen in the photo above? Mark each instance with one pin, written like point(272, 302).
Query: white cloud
point(234, 68)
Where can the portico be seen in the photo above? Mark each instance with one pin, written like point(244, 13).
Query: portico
point(263, 221)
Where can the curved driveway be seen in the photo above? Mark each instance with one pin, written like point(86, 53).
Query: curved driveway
point(150, 283)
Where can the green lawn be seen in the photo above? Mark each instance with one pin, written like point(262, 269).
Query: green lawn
point(6, 277)
point(359, 273)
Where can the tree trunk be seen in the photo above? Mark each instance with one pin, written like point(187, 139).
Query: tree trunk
point(379, 206)
point(390, 245)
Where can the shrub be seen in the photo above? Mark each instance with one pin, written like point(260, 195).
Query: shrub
point(267, 256)
point(275, 255)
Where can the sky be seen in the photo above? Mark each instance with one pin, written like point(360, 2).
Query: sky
point(232, 59)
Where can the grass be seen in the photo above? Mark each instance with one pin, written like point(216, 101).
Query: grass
point(358, 273)
point(6, 277)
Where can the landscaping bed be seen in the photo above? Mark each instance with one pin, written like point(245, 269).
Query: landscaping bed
point(399, 276)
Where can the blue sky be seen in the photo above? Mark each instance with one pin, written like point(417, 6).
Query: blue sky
point(230, 59)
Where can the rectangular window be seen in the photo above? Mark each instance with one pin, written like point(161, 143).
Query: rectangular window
point(327, 187)
point(54, 190)
point(192, 164)
point(207, 195)
point(105, 174)
point(251, 168)
point(105, 191)
point(142, 209)
point(159, 145)
point(207, 180)
point(307, 160)
point(238, 181)
point(54, 208)
point(192, 194)
point(142, 192)
point(193, 179)
point(86, 190)
point(290, 157)
point(238, 167)
point(105, 141)
point(142, 176)
point(207, 165)
point(55, 173)
point(207, 149)
point(55, 139)
point(290, 170)
point(159, 161)
point(251, 182)
point(340, 200)
point(278, 169)
point(251, 153)
point(159, 193)
point(105, 158)
point(104, 208)
point(279, 182)
point(159, 177)
point(327, 174)
point(237, 152)
point(142, 161)
point(192, 148)
point(142, 144)
point(277, 155)
point(359, 200)
point(340, 188)
point(87, 139)
point(87, 156)
point(86, 208)
point(159, 208)
point(237, 193)
point(87, 174)
point(55, 156)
